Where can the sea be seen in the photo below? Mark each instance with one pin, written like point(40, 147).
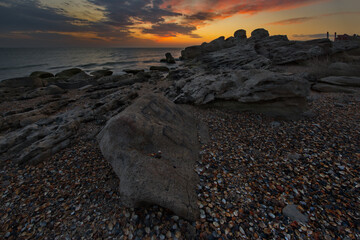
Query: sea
point(21, 62)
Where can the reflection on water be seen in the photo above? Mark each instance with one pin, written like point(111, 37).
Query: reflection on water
point(19, 62)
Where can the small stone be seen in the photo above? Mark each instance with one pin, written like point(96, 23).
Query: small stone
point(175, 218)
point(110, 226)
point(168, 234)
point(342, 168)
point(275, 124)
point(43, 224)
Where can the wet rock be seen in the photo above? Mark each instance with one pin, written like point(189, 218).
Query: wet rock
point(81, 76)
point(101, 73)
point(133, 71)
point(159, 68)
point(40, 74)
point(150, 125)
point(68, 73)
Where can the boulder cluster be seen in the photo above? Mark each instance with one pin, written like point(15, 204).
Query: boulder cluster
point(250, 72)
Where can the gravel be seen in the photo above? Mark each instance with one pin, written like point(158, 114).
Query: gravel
point(251, 169)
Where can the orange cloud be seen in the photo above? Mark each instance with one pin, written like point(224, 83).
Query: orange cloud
point(305, 19)
point(200, 13)
point(224, 8)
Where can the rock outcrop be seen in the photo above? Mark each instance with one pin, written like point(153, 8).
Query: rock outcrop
point(33, 135)
point(243, 87)
point(276, 48)
point(245, 71)
point(152, 147)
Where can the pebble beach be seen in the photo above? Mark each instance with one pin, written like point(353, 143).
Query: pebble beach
point(252, 167)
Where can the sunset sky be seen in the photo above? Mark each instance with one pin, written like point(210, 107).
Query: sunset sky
point(166, 23)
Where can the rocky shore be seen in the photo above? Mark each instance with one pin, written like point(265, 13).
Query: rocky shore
point(249, 138)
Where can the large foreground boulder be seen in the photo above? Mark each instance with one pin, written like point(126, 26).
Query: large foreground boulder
point(152, 147)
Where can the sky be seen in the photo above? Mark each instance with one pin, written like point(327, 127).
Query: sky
point(167, 23)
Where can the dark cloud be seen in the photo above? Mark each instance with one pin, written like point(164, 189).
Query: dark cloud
point(202, 16)
point(29, 19)
point(27, 16)
point(171, 30)
point(122, 11)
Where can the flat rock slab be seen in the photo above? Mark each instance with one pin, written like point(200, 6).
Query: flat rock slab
point(324, 87)
point(152, 147)
point(342, 81)
point(294, 214)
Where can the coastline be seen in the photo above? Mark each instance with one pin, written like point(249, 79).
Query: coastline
point(57, 184)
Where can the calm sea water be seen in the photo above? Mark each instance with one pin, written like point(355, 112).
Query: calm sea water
point(20, 62)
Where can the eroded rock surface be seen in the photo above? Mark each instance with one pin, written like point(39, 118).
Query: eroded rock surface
point(253, 88)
